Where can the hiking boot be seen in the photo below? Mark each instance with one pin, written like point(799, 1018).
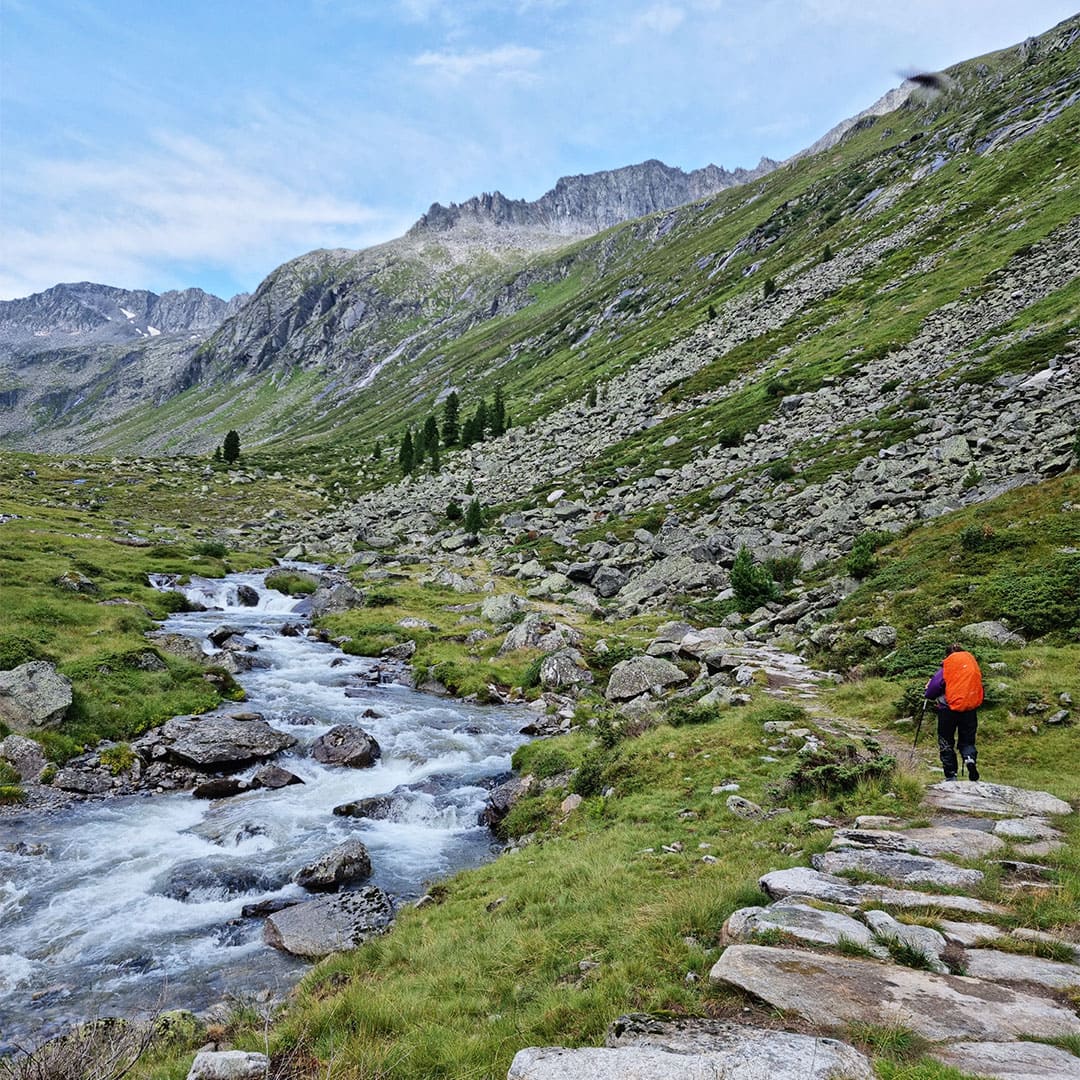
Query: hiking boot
point(973, 773)
point(953, 777)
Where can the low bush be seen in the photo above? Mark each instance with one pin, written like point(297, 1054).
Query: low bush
point(860, 560)
point(752, 583)
point(1038, 599)
point(838, 768)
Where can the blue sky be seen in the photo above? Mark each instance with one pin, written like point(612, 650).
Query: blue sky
point(158, 144)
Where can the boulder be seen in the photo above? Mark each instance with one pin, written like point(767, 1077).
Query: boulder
point(83, 781)
point(1004, 967)
point(33, 695)
point(801, 922)
point(931, 840)
point(273, 777)
point(1010, 1060)
point(375, 807)
point(564, 669)
point(502, 609)
point(24, 755)
point(609, 581)
point(832, 991)
point(341, 865)
point(537, 631)
point(346, 745)
point(335, 599)
point(229, 1065)
point(992, 631)
point(217, 741)
point(897, 866)
point(630, 678)
point(247, 596)
point(180, 646)
point(503, 799)
point(214, 878)
point(223, 633)
point(883, 636)
point(222, 787)
point(330, 924)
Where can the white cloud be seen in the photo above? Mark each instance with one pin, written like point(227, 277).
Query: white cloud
point(506, 62)
point(180, 201)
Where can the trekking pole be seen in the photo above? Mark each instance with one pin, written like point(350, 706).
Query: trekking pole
point(918, 723)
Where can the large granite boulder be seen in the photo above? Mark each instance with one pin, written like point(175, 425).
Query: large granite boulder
point(217, 741)
point(335, 599)
point(33, 695)
point(631, 678)
point(341, 865)
point(992, 631)
point(564, 670)
point(330, 924)
point(24, 755)
point(345, 745)
point(229, 1065)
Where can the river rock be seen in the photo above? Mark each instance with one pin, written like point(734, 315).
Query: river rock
point(374, 807)
point(802, 922)
point(274, 777)
point(180, 646)
point(223, 633)
point(214, 878)
point(631, 678)
point(832, 991)
point(33, 695)
point(83, 781)
point(330, 924)
point(217, 741)
point(345, 863)
point(503, 799)
point(229, 1065)
point(346, 745)
point(335, 599)
point(24, 755)
point(983, 798)
point(247, 596)
point(1010, 1060)
point(897, 866)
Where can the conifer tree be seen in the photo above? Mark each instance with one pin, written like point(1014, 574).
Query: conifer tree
point(591, 400)
point(469, 489)
point(431, 435)
point(433, 455)
point(826, 255)
point(217, 453)
point(474, 517)
point(230, 450)
point(497, 416)
point(376, 454)
point(451, 430)
point(419, 447)
point(405, 453)
point(768, 288)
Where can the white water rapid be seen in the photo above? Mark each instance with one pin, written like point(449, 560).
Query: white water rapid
point(106, 907)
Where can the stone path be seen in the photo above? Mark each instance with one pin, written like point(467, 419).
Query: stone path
point(897, 951)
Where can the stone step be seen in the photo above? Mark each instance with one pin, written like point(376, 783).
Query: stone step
point(646, 1048)
point(934, 840)
point(1010, 1060)
point(832, 991)
point(801, 881)
point(984, 798)
point(902, 868)
point(1013, 968)
point(802, 922)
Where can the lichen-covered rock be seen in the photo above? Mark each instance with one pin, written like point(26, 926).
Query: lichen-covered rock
point(638, 675)
point(346, 745)
point(330, 924)
point(34, 695)
point(343, 864)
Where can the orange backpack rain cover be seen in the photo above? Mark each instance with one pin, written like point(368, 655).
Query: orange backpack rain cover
point(963, 682)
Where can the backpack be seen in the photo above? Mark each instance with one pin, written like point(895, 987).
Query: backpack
point(963, 682)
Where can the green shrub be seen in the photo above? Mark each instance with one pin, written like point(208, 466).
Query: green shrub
point(860, 560)
point(118, 758)
point(678, 713)
point(454, 511)
point(530, 677)
point(768, 288)
point(781, 470)
point(838, 768)
point(588, 778)
point(751, 582)
point(972, 478)
point(785, 568)
point(981, 538)
point(291, 583)
point(1038, 599)
point(16, 650)
point(916, 660)
point(212, 549)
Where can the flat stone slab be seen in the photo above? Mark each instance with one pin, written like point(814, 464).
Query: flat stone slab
point(923, 939)
point(802, 881)
point(331, 924)
point(897, 866)
point(832, 991)
point(645, 1048)
point(1010, 1060)
point(983, 798)
point(933, 840)
point(1027, 828)
point(1013, 968)
point(969, 934)
point(802, 922)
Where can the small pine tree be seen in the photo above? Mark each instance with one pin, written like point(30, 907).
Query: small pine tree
point(751, 582)
point(376, 454)
point(230, 449)
point(453, 511)
point(826, 255)
point(469, 489)
point(217, 453)
point(434, 458)
point(591, 400)
point(431, 434)
point(768, 288)
point(474, 517)
point(712, 311)
point(451, 429)
point(497, 415)
point(406, 458)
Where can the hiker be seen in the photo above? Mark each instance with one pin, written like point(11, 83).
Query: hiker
point(956, 692)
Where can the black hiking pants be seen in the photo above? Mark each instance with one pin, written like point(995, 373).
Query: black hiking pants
point(956, 730)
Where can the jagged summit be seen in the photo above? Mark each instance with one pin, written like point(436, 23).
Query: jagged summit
point(588, 203)
point(85, 312)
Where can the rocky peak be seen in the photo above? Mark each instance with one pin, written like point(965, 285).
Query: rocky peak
point(585, 204)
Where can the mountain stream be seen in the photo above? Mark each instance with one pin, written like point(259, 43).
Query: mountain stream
point(103, 910)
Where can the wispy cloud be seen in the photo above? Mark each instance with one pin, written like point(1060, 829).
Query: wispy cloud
point(514, 62)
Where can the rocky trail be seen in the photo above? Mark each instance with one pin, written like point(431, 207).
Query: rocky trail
point(894, 930)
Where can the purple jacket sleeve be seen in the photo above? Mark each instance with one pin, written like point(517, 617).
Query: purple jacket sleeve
point(936, 686)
